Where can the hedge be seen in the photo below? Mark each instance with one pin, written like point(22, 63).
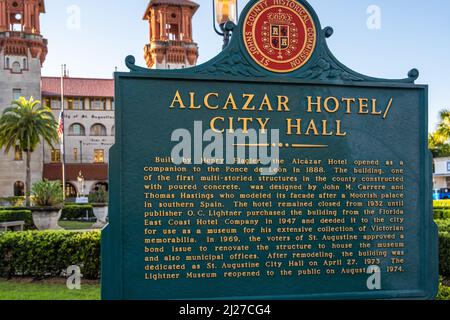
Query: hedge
point(69, 212)
point(445, 204)
point(13, 208)
point(444, 253)
point(12, 201)
point(18, 215)
point(75, 212)
point(437, 214)
point(49, 254)
point(443, 225)
point(444, 246)
point(441, 209)
point(441, 213)
point(444, 292)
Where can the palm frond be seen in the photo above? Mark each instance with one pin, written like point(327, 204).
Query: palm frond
point(25, 123)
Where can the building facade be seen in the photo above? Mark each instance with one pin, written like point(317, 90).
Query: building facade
point(88, 132)
point(22, 54)
point(88, 103)
point(170, 33)
point(441, 173)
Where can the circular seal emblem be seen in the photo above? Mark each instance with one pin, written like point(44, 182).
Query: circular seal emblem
point(279, 35)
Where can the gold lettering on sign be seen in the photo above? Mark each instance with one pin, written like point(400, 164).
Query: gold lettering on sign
point(317, 216)
point(269, 103)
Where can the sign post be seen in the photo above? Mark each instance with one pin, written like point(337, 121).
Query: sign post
point(272, 171)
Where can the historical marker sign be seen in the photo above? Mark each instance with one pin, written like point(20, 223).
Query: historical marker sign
point(330, 199)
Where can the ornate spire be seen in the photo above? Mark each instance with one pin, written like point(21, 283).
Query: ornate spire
point(171, 41)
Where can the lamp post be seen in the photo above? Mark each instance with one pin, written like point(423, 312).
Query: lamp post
point(225, 15)
point(81, 151)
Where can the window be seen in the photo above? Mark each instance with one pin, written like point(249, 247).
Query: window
point(18, 156)
point(448, 166)
point(113, 130)
point(17, 93)
point(98, 104)
point(25, 63)
point(6, 63)
point(173, 32)
point(77, 129)
point(98, 130)
point(70, 104)
point(16, 67)
point(75, 154)
point(113, 105)
point(19, 189)
point(75, 104)
point(56, 156)
point(78, 104)
point(55, 103)
point(17, 27)
point(99, 156)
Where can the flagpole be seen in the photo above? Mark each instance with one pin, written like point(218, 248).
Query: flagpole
point(63, 145)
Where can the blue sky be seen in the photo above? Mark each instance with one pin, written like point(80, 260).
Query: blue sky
point(94, 37)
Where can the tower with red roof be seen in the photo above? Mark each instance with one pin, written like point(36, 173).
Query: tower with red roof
point(22, 52)
point(171, 40)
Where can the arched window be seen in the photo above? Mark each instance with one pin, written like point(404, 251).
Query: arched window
point(16, 67)
point(113, 130)
point(6, 63)
point(77, 129)
point(71, 191)
point(25, 63)
point(98, 130)
point(100, 186)
point(19, 189)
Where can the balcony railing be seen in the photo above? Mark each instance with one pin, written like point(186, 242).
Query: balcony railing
point(173, 43)
point(21, 35)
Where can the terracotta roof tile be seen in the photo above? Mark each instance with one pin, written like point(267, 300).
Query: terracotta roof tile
point(78, 87)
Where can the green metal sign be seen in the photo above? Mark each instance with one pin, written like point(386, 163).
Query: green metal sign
point(270, 172)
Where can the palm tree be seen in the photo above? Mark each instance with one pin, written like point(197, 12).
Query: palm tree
point(443, 128)
point(437, 145)
point(24, 124)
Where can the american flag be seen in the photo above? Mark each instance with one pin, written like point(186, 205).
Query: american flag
point(61, 126)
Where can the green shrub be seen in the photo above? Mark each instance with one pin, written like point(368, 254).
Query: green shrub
point(99, 196)
point(13, 208)
point(437, 214)
point(18, 215)
point(444, 253)
point(75, 212)
point(446, 214)
point(47, 193)
point(12, 201)
point(48, 254)
point(443, 225)
point(444, 292)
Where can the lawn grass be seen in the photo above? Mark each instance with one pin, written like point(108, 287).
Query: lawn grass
point(55, 289)
point(75, 225)
point(27, 289)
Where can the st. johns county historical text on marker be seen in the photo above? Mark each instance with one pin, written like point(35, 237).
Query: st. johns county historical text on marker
point(345, 214)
